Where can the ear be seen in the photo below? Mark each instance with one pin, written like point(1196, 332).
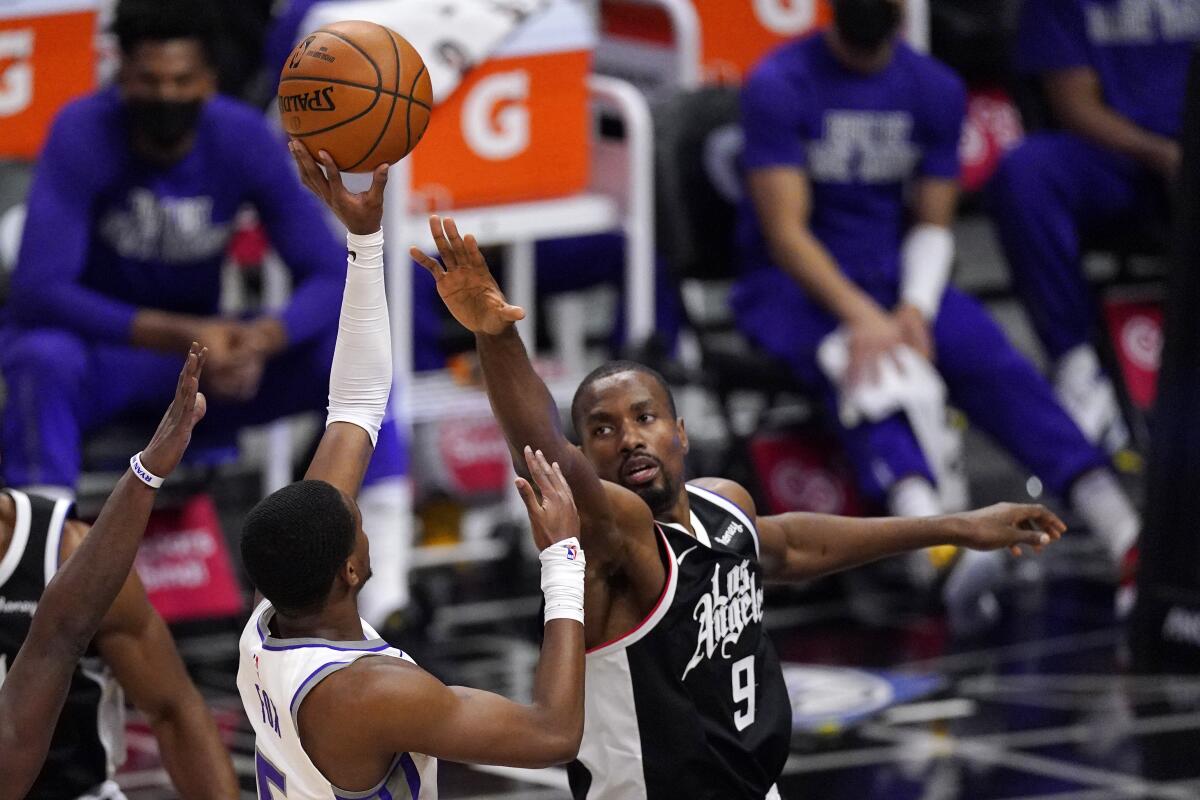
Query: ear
point(683, 437)
point(350, 574)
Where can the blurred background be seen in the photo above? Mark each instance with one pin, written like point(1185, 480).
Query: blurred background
point(595, 147)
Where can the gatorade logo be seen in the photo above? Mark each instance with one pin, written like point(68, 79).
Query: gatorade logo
point(495, 116)
point(786, 17)
point(316, 100)
point(16, 79)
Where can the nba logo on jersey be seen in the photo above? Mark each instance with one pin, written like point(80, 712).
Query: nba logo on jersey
point(572, 552)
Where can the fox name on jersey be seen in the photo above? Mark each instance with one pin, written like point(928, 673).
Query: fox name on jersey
point(692, 702)
point(274, 677)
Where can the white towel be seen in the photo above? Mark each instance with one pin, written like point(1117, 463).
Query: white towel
point(451, 35)
point(906, 382)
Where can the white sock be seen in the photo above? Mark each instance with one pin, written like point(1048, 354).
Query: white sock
point(1100, 500)
point(970, 592)
point(50, 492)
point(387, 520)
point(915, 496)
point(1080, 364)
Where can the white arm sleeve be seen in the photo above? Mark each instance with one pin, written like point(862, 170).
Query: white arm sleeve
point(361, 377)
point(925, 261)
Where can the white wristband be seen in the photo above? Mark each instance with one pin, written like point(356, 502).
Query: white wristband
point(563, 565)
point(926, 258)
point(144, 475)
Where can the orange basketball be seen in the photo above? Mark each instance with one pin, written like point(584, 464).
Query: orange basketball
point(358, 91)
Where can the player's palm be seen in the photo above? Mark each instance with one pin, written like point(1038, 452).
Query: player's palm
point(464, 282)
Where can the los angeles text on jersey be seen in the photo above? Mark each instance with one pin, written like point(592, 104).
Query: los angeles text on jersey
point(725, 611)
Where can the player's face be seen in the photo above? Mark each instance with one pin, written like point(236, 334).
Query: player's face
point(631, 437)
point(164, 86)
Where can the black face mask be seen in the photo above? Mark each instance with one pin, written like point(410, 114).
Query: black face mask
point(165, 123)
point(866, 24)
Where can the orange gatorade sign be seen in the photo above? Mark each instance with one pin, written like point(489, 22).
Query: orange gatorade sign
point(517, 126)
point(734, 34)
point(47, 58)
point(516, 129)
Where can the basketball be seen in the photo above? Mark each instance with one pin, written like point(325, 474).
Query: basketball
point(358, 91)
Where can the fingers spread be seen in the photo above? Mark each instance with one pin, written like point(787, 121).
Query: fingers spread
point(473, 251)
point(431, 266)
point(528, 497)
point(439, 240)
point(456, 242)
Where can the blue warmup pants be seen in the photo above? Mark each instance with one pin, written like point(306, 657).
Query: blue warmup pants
point(985, 376)
point(1049, 191)
point(62, 388)
point(563, 265)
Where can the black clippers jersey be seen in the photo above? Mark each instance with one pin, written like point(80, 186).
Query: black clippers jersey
point(92, 724)
point(691, 703)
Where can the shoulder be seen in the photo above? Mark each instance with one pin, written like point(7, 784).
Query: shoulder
point(357, 692)
point(790, 63)
point(936, 77)
point(729, 491)
point(87, 132)
point(102, 108)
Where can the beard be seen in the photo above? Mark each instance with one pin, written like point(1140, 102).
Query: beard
point(660, 498)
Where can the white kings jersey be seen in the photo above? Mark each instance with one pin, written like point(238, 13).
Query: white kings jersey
point(274, 677)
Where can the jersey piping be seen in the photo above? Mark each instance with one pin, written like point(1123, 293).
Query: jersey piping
point(656, 614)
point(20, 537)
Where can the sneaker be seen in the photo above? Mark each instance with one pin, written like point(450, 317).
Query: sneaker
point(972, 607)
point(1088, 396)
point(1126, 597)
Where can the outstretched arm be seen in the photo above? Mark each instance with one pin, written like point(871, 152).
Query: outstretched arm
point(361, 377)
point(617, 526)
point(800, 546)
point(80, 594)
point(803, 546)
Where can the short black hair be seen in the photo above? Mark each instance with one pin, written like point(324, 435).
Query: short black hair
point(610, 368)
point(140, 21)
point(295, 541)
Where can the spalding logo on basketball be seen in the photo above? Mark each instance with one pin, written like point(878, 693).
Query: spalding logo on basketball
point(357, 90)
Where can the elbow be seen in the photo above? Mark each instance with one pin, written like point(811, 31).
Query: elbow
point(560, 742)
point(563, 748)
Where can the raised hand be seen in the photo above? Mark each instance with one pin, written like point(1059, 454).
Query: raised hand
point(174, 432)
point(1010, 525)
point(360, 212)
point(464, 282)
point(554, 518)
